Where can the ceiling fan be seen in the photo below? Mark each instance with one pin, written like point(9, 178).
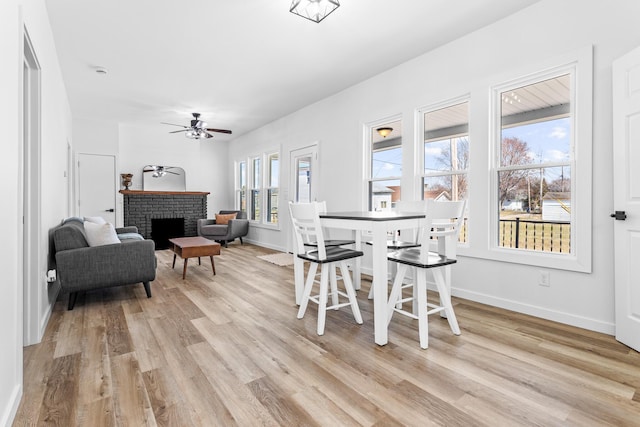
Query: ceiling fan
point(198, 129)
point(159, 171)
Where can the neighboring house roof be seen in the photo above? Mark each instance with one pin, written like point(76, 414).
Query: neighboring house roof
point(437, 195)
point(382, 189)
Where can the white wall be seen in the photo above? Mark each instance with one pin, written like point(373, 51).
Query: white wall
point(11, 301)
point(55, 132)
point(470, 66)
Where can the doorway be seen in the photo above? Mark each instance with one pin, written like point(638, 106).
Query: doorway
point(303, 179)
point(30, 193)
point(97, 186)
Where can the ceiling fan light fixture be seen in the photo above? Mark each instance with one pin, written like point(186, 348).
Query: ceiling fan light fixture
point(384, 131)
point(314, 10)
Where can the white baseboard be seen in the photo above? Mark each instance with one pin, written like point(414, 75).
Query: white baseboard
point(531, 310)
point(541, 312)
point(265, 245)
point(12, 406)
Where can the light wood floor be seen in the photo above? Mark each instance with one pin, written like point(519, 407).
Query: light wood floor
point(228, 350)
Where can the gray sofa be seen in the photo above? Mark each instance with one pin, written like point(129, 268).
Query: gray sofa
point(84, 268)
point(223, 233)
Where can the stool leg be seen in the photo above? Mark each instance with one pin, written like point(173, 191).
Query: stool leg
point(423, 317)
point(322, 298)
point(445, 300)
point(334, 285)
point(307, 289)
point(348, 284)
point(396, 290)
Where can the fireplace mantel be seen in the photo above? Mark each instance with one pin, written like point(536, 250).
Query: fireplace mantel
point(170, 193)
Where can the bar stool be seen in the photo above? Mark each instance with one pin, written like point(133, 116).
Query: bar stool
point(442, 219)
point(306, 224)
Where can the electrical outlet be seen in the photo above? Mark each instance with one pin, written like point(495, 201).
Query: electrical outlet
point(544, 278)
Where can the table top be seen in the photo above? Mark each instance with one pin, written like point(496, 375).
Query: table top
point(187, 242)
point(372, 216)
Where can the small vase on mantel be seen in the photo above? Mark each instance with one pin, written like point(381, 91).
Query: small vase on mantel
point(126, 180)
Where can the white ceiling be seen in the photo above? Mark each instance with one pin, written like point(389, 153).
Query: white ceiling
point(241, 63)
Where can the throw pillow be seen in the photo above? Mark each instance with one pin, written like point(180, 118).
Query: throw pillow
point(223, 219)
point(95, 219)
point(100, 234)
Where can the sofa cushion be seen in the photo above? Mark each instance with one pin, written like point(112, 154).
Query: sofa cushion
point(70, 235)
point(129, 236)
point(223, 219)
point(214, 230)
point(95, 219)
point(100, 234)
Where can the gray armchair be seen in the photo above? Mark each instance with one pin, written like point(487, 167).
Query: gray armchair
point(81, 267)
point(223, 233)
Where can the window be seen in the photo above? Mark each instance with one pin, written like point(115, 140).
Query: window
point(386, 165)
point(540, 200)
point(446, 155)
point(535, 201)
point(273, 175)
point(256, 185)
point(263, 175)
point(241, 186)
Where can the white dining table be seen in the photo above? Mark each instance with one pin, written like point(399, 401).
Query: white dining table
point(378, 223)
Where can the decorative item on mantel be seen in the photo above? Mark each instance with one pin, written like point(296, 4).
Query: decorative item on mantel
point(126, 180)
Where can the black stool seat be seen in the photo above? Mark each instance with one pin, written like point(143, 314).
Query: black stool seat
point(334, 254)
point(332, 242)
point(412, 257)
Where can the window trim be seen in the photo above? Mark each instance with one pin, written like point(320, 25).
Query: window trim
point(420, 174)
point(263, 187)
point(580, 65)
point(268, 188)
point(367, 130)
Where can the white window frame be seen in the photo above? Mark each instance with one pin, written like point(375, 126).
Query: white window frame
point(239, 188)
point(368, 128)
point(255, 185)
point(261, 184)
point(420, 170)
point(268, 189)
point(579, 65)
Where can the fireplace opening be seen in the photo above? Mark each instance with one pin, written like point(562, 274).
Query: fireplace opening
point(163, 229)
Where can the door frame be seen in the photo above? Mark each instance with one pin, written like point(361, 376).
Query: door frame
point(313, 150)
point(30, 188)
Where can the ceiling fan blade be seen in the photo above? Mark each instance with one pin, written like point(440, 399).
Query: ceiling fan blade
point(171, 172)
point(218, 130)
point(181, 130)
point(173, 124)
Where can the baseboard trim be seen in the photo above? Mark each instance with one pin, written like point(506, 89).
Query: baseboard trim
point(12, 406)
point(537, 311)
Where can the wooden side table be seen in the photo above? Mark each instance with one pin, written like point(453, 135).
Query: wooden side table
point(191, 247)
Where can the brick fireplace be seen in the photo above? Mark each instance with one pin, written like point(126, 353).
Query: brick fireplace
point(142, 207)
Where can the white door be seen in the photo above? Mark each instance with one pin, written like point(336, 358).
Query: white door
point(303, 167)
point(302, 180)
point(97, 186)
point(626, 188)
